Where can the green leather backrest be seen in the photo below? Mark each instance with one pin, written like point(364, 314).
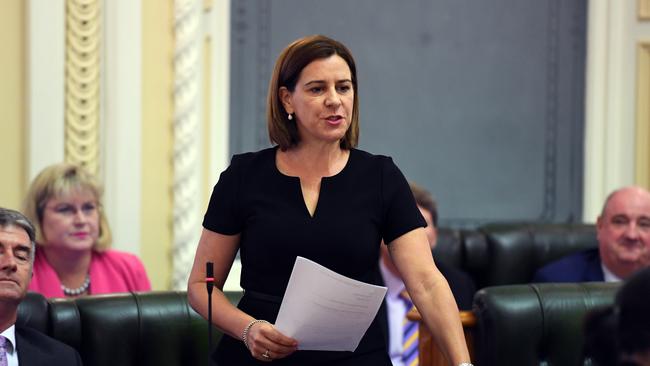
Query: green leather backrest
point(147, 328)
point(510, 253)
point(536, 324)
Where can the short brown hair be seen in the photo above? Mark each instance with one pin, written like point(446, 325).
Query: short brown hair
point(59, 179)
point(424, 199)
point(292, 60)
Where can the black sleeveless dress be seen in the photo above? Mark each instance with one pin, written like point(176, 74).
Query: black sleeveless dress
point(369, 200)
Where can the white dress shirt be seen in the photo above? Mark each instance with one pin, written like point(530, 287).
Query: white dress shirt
point(12, 355)
point(609, 275)
point(396, 309)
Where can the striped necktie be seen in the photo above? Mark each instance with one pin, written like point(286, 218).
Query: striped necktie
point(3, 351)
point(410, 335)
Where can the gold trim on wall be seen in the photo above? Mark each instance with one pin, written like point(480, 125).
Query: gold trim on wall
point(644, 9)
point(82, 71)
point(643, 115)
point(207, 5)
point(13, 126)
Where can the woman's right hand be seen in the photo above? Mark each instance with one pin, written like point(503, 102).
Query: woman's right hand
point(267, 344)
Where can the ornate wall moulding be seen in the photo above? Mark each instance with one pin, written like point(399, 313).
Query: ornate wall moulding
point(82, 82)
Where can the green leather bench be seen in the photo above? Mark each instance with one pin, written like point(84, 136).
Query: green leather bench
point(144, 329)
point(536, 324)
point(510, 253)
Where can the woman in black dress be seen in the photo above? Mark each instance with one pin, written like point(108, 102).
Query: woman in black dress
point(314, 195)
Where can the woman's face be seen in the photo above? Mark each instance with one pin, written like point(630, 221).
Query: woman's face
point(322, 101)
point(71, 221)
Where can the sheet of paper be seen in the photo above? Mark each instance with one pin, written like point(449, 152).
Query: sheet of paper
point(326, 311)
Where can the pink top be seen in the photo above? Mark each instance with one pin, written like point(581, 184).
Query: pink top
point(110, 271)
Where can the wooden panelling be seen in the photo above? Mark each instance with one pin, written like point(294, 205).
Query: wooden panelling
point(429, 353)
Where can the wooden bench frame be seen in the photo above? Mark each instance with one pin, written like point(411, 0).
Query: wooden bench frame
point(429, 353)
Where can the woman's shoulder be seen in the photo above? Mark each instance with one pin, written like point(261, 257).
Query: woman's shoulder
point(253, 157)
point(119, 264)
point(252, 162)
point(362, 154)
point(118, 257)
point(378, 167)
point(369, 159)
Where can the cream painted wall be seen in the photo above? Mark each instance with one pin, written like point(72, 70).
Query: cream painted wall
point(12, 103)
point(157, 114)
point(121, 116)
point(610, 151)
point(640, 31)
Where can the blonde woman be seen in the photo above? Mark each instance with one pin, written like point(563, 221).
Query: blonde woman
point(73, 255)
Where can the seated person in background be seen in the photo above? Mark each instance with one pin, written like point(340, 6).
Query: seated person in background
point(22, 345)
point(73, 238)
point(623, 229)
point(397, 302)
point(620, 334)
point(633, 309)
point(600, 344)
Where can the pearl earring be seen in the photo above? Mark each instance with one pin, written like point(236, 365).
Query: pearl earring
point(290, 117)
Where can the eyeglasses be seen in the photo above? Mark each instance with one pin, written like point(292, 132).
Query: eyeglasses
point(65, 209)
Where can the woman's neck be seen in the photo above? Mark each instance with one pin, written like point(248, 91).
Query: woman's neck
point(71, 266)
point(316, 160)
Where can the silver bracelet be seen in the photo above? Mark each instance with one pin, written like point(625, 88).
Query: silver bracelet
point(244, 335)
point(465, 364)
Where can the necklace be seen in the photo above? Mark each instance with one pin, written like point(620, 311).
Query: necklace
point(79, 290)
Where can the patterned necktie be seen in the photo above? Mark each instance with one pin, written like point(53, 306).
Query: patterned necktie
point(410, 335)
point(3, 351)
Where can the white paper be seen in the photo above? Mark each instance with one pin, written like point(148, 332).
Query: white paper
point(326, 311)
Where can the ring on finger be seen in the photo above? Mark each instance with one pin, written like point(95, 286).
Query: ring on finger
point(266, 354)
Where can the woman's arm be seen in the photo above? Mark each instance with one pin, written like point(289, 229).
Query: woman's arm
point(430, 293)
point(221, 250)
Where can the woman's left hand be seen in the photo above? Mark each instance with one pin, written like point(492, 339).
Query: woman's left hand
point(267, 344)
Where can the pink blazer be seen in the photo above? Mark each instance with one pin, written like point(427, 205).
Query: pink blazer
point(110, 271)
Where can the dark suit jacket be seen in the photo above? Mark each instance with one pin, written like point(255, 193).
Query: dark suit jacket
point(35, 349)
point(579, 267)
point(461, 284)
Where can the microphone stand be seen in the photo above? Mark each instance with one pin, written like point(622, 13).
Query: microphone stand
point(209, 284)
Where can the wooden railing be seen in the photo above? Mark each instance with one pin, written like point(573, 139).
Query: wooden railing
point(430, 354)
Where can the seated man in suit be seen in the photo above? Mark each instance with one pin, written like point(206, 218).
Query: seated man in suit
point(623, 230)
point(22, 346)
point(461, 284)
